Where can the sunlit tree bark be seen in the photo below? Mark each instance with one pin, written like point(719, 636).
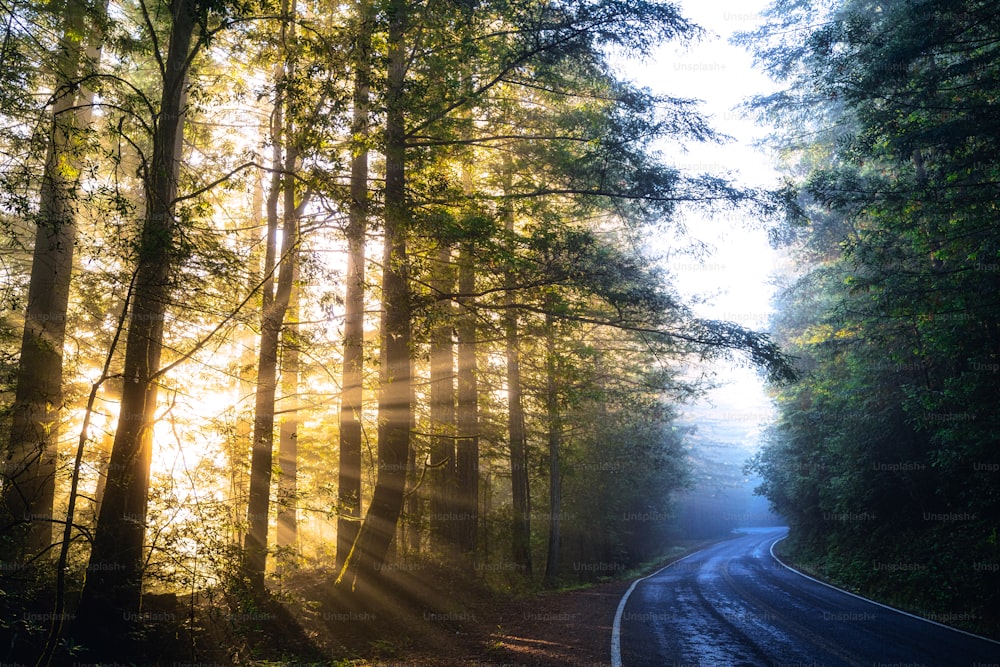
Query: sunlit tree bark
point(554, 427)
point(352, 396)
point(243, 436)
point(466, 500)
point(394, 402)
point(113, 589)
point(275, 306)
point(288, 433)
point(409, 529)
point(28, 472)
point(441, 475)
point(467, 445)
point(516, 437)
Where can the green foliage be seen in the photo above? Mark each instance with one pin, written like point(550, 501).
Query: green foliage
point(886, 449)
point(514, 117)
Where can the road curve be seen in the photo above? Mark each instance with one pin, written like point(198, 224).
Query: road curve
point(732, 604)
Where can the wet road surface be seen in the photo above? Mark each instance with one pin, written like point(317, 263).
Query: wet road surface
point(733, 604)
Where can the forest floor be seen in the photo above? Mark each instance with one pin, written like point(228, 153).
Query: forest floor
point(422, 615)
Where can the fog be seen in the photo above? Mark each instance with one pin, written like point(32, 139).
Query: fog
point(722, 431)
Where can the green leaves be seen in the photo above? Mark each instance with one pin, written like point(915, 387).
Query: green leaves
point(889, 315)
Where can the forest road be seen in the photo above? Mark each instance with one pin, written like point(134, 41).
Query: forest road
point(734, 604)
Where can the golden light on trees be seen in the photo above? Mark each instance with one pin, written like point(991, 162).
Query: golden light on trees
point(357, 291)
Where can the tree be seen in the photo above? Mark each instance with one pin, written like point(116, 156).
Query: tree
point(352, 386)
point(113, 589)
point(880, 436)
point(30, 464)
point(517, 438)
point(288, 502)
point(394, 400)
point(442, 402)
point(554, 418)
point(467, 408)
point(275, 302)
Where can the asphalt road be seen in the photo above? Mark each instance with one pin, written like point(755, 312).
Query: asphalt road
point(733, 604)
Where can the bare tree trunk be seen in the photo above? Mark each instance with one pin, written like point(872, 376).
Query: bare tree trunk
point(238, 459)
point(272, 319)
point(467, 391)
point(410, 528)
point(517, 439)
point(467, 454)
point(28, 473)
point(258, 503)
point(352, 393)
point(394, 403)
point(441, 476)
point(287, 529)
point(262, 437)
point(555, 433)
point(112, 592)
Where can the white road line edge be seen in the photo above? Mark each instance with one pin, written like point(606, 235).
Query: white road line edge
point(854, 595)
point(616, 641)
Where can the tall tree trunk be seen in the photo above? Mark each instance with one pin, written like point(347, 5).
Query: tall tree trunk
point(272, 319)
point(288, 447)
point(410, 528)
point(467, 454)
point(243, 441)
point(442, 405)
point(467, 396)
point(112, 593)
point(394, 404)
point(30, 466)
point(262, 457)
point(258, 491)
point(555, 433)
point(352, 393)
point(517, 439)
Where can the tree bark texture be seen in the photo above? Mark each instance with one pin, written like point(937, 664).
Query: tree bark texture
point(28, 472)
point(394, 403)
point(517, 438)
point(272, 321)
point(443, 526)
point(467, 446)
point(288, 432)
point(352, 392)
point(554, 419)
point(112, 592)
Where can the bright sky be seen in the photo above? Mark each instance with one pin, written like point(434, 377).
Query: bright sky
point(734, 278)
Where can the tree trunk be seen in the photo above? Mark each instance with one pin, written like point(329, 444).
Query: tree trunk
point(258, 503)
point(112, 592)
point(517, 439)
point(275, 307)
point(467, 398)
point(261, 439)
point(394, 404)
point(467, 455)
point(555, 432)
point(287, 529)
point(441, 475)
point(410, 527)
point(29, 470)
point(272, 319)
point(352, 393)
point(243, 441)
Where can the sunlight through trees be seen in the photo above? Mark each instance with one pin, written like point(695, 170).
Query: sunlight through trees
point(302, 292)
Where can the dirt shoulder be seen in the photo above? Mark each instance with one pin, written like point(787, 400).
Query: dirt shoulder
point(560, 629)
point(421, 616)
point(563, 629)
